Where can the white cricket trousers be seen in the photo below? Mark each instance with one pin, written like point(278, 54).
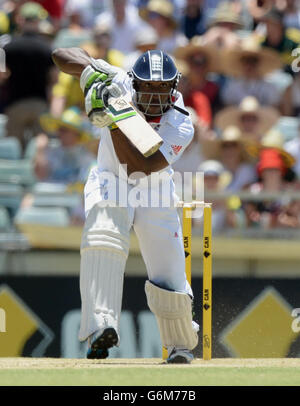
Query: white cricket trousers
point(158, 230)
point(104, 253)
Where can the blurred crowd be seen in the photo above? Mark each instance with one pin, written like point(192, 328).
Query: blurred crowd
point(239, 79)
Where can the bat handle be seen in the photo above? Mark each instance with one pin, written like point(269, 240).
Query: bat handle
point(186, 113)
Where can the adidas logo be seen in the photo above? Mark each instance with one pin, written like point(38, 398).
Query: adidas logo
point(176, 148)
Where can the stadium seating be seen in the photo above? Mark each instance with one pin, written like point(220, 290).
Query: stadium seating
point(5, 222)
point(54, 216)
point(18, 171)
point(3, 121)
point(54, 195)
point(69, 201)
point(65, 39)
point(48, 188)
point(10, 148)
point(30, 149)
point(11, 196)
point(289, 127)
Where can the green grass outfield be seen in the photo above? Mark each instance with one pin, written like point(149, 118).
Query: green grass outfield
point(150, 372)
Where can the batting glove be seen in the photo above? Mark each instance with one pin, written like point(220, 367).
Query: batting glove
point(98, 71)
point(95, 82)
point(95, 105)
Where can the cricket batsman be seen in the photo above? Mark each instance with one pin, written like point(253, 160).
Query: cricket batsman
point(151, 87)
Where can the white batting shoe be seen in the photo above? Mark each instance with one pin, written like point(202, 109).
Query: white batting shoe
point(179, 356)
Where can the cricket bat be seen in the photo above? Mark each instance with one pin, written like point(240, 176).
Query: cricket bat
point(133, 126)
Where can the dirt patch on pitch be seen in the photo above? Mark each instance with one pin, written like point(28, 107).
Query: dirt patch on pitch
point(60, 363)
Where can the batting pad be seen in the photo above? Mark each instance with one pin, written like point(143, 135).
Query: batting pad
point(107, 228)
point(104, 252)
point(173, 312)
point(101, 289)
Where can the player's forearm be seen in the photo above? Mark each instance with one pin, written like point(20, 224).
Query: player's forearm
point(135, 161)
point(71, 60)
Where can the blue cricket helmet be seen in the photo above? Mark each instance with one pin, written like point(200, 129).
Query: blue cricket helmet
point(154, 66)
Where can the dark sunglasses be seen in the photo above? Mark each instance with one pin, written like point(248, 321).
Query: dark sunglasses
point(198, 61)
point(249, 117)
point(230, 144)
point(250, 60)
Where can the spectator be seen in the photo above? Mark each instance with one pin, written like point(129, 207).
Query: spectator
point(274, 139)
point(100, 45)
point(291, 14)
point(192, 22)
point(199, 102)
point(87, 9)
point(68, 161)
point(252, 119)
point(290, 102)
point(293, 148)
point(223, 26)
point(145, 40)
point(75, 32)
point(272, 170)
point(277, 37)
point(258, 8)
point(15, 19)
point(289, 216)
point(215, 180)
point(160, 15)
point(227, 15)
point(231, 149)
point(246, 68)
point(64, 159)
point(125, 21)
point(4, 29)
point(201, 93)
point(4, 40)
point(55, 9)
point(30, 65)
point(66, 92)
point(12, 10)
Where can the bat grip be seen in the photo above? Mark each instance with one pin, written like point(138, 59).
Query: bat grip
point(186, 113)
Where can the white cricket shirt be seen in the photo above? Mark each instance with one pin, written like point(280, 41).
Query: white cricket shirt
point(175, 128)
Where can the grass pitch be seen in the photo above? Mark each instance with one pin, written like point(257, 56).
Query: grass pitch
point(150, 372)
